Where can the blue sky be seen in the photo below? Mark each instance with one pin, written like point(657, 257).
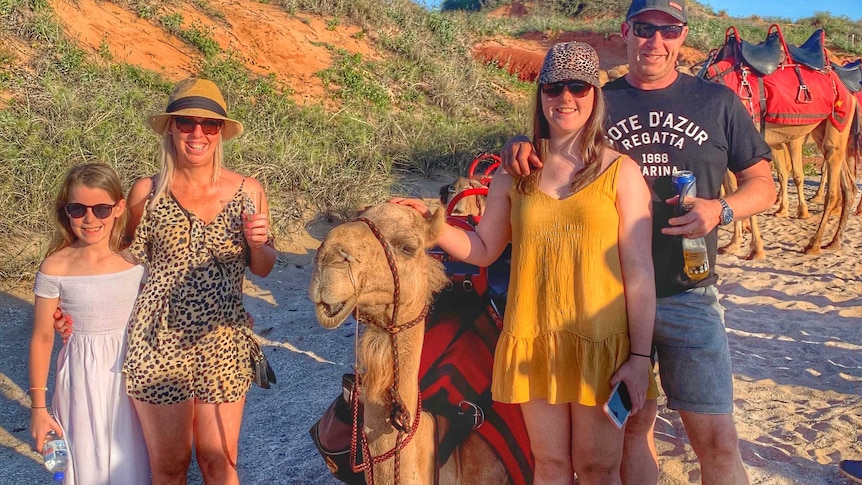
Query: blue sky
point(792, 9)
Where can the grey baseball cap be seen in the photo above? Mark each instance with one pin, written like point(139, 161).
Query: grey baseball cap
point(674, 8)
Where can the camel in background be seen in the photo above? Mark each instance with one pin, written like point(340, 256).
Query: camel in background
point(354, 274)
point(786, 144)
point(470, 205)
point(755, 247)
point(766, 77)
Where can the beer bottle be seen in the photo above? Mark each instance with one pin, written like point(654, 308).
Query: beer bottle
point(693, 250)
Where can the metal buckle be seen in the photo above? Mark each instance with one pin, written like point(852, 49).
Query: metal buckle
point(467, 284)
point(478, 413)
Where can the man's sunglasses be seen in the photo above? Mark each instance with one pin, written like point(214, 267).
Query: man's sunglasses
point(578, 89)
point(77, 211)
point(208, 126)
point(646, 31)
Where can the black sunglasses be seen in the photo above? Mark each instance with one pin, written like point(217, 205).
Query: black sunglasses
point(646, 31)
point(208, 126)
point(77, 211)
point(578, 89)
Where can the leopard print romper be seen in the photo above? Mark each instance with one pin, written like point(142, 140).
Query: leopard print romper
point(188, 333)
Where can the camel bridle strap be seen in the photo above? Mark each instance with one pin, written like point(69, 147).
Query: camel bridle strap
point(399, 417)
point(391, 327)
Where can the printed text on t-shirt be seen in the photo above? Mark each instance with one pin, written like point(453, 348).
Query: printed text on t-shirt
point(662, 128)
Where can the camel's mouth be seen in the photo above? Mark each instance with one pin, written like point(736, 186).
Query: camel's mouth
point(331, 315)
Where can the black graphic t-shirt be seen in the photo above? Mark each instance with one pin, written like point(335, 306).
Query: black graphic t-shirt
point(690, 125)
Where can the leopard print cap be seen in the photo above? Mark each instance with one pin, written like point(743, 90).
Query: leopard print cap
point(570, 60)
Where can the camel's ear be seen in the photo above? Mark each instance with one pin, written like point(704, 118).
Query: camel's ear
point(435, 226)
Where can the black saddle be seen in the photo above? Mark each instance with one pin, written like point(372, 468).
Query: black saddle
point(763, 58)
point(850, 74)
point(810, 53)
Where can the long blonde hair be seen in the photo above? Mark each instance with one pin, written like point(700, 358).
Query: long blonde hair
point(168, 163)
point(592, 143)
point(94, 176)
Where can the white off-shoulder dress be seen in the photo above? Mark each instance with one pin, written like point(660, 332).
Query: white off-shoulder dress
point(103, 433)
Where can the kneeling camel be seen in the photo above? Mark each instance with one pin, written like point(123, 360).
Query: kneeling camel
point(376, 268)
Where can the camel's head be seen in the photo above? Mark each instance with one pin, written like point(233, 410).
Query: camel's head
point(351, 269)
point(470, 205)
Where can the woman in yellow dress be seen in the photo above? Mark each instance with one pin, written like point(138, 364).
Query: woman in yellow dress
point(581, 304)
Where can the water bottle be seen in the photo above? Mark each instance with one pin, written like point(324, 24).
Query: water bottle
point(693, 250)
point(56, 455)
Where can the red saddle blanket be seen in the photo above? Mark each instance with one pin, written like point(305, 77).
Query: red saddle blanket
point(747, 85)
point(816, 96)
point(786, 101)
point(457, 361)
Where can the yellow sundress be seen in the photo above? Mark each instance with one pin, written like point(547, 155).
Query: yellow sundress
point(565, 329)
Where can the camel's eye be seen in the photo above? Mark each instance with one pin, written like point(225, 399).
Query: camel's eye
point(406, 247)
point(451, 189)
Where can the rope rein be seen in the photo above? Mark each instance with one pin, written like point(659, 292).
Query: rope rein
point(399, 416)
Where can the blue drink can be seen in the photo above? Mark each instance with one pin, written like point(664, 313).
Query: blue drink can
point(684, 185)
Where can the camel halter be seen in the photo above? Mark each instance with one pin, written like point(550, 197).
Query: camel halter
point(399, 417)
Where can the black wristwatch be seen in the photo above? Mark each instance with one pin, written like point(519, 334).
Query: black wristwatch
point(726, 213)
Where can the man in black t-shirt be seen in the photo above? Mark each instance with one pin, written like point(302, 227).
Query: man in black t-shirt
point(667, 122)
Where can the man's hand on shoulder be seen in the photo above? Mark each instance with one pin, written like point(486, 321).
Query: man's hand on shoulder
point(518, 156)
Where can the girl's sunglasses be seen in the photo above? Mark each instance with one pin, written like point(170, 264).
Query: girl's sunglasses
point(208, 126)
point(578, 89)
point(77, 211)
point(646, 31)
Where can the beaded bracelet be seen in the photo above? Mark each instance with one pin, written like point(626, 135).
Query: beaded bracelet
point(641, 355)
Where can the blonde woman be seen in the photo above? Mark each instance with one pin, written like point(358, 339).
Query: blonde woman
point(196, 227)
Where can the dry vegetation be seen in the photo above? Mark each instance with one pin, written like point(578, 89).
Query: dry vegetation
point(340, 98)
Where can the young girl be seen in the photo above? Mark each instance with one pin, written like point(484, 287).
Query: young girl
point(85, 277)
point(581, 299)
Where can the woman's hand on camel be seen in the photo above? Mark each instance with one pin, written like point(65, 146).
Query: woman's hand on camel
point(40, 423)
point(414, 203)
point(635, 373)
point(256, 229)
point(62, 324)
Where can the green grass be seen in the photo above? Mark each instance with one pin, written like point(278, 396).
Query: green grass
point(421, 104)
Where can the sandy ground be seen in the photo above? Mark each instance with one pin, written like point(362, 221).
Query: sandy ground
point(793, 323)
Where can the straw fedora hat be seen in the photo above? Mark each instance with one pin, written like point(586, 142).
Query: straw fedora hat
point(200, 98)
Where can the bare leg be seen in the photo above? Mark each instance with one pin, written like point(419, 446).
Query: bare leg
point(640, 459)
point(597, 446)
point(550, 430)
point(713, 437)
point(216, 432)
point(168, 433)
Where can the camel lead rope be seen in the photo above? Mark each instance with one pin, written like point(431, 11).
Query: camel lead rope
point(399, 416)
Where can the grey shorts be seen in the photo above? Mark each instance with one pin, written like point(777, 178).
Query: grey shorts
point(693, 357)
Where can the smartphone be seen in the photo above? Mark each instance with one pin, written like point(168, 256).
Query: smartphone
point(619, 405)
